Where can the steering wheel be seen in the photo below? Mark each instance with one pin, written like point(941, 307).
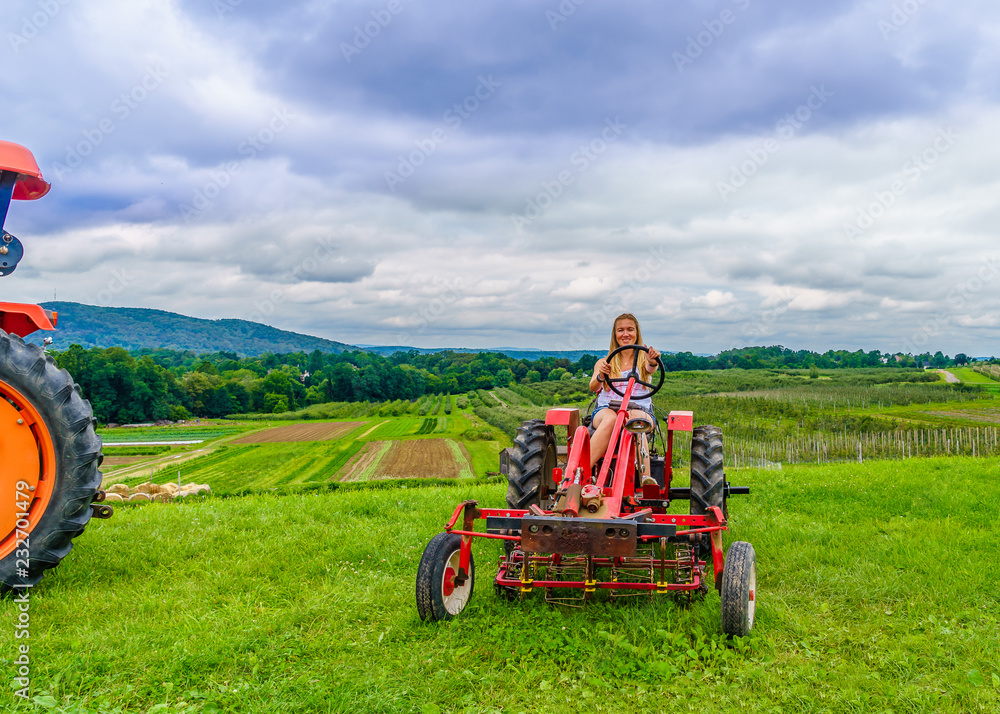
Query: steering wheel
point(634, 373)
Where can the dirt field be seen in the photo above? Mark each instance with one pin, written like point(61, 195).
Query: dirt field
point(418, 458)
point(122, 460)
point(318, 431)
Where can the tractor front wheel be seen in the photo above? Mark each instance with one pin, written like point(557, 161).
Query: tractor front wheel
point(49, 455)
point(739, 590)
point(439, 596)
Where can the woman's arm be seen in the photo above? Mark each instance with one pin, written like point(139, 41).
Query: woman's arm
point(601, 371)
point(651, 364)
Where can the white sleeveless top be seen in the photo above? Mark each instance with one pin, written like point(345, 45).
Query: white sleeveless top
point(605, 396)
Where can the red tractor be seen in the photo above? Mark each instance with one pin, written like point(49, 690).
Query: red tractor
point(49, 453)
point(574, 528)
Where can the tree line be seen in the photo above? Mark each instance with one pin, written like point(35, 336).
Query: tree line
point(149, 385)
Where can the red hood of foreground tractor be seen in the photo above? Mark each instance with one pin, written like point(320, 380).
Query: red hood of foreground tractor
point(30, 184)
point(21, 320)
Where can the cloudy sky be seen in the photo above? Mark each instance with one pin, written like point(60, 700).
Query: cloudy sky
point(516, 173)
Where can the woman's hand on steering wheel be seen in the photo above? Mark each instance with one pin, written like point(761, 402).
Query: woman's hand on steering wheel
point(634, 373)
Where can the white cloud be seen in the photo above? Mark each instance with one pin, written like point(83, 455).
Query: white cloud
point(713, 299)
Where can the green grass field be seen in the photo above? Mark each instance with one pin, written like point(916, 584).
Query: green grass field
point(970, 376)
point(237, 468)
point(209, 430)
point(877, 592)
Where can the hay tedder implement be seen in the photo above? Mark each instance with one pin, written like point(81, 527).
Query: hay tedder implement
point(586, 525)
point(49, 453)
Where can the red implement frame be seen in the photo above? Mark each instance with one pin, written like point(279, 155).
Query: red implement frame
point(617, 489)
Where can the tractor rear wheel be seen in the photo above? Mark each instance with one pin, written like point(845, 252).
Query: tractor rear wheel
point(49, 458)
point(532, 459)
point(439, 597)
point(708, 479)
point(739, 590)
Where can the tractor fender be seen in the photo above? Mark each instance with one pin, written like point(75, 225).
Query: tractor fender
point(21, 320)
point(19, 160)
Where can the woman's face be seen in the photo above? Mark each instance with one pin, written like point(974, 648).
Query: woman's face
point(625, 332)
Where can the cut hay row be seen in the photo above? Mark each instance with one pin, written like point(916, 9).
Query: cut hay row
point(462, 458)
point(361, 465)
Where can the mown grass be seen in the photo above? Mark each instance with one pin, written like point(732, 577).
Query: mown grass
point(206, 431)
point(877, 592)
point(242, 467)
point(969, 375)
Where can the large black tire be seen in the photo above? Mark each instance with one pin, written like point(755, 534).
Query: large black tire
point(532, 458)
point(739, 590)
point(438, 598)
point(29, 379)
point(708, 479)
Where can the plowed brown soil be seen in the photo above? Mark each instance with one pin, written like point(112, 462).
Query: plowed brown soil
point(316, 431)
point(122, 460)
point(424, 458)
point(416, 458)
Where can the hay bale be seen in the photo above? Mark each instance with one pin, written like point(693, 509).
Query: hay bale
point(119, 489)
point(163, 497)
point(171, 487)
point(114, 497)
point(140, 496)
point(146, 487)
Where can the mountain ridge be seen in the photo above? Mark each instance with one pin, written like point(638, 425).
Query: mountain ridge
point(136, 328)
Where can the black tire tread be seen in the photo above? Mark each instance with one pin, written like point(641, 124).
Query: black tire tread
point(525, 481)
point(708, 478)
point(70, 421)
point(740, 560)
point(429, 573)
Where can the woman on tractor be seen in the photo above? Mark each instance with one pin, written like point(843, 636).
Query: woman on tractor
point(625, 331)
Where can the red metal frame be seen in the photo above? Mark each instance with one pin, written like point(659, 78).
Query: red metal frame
point(619, 502)
point(20, 319)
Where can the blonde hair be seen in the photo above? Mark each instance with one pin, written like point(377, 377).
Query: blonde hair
point(616, 363)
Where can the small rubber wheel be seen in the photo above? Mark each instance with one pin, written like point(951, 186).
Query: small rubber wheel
point(438, 596)
point(739, 590)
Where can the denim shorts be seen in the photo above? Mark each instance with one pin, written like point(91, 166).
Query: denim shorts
point(631, 407)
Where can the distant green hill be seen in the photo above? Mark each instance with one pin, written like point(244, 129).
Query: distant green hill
point(137, 328)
